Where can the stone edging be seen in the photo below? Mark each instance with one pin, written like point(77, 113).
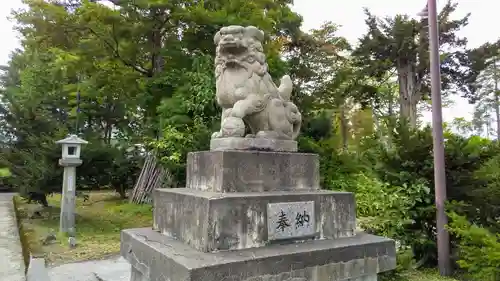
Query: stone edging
point(37, 270)
point(34, 268)
point(10, 242)
point(22, 238)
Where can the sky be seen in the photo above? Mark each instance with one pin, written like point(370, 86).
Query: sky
point(483, 26)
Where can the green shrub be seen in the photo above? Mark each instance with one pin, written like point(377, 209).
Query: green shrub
point(479, 249)
point(35, 168)
point(385, 209)
point(409, 161)
point(109, 166)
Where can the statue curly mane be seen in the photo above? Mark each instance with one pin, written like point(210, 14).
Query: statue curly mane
point(245, 51)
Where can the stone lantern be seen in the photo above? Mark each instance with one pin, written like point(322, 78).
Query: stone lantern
point(70, 159)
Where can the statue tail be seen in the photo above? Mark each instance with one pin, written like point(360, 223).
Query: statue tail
point(285, 88)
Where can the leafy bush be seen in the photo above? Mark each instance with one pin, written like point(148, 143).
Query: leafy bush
point(35, 168)
point(391, 183)
point(479, 249)
point(409, 161)
point(388, 210)
point(33, 165)
point(116, 167)
point(187, 116)
point(173, 148)
point(487, 195)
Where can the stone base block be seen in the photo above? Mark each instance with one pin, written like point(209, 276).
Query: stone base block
point(156, 257)
point(252, 171)
point(262, 144)
point(210, 221)
point(363, 278)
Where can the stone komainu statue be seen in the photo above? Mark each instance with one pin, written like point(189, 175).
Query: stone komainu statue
point(253, 106)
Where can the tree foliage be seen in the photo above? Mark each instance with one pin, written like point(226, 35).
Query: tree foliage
point(400, 44)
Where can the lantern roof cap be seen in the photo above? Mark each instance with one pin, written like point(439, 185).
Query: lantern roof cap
point(72, 139)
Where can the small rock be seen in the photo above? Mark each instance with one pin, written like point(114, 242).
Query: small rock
point(71, 232)
point(49, 239)
point(72, 242)
point(35, 212)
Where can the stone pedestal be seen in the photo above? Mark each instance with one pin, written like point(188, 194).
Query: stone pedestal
point(68, 197)
point(250, 215)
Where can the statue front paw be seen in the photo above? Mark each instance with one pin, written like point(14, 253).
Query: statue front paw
point(267, 135)
point(233, 127)
point(216, 135)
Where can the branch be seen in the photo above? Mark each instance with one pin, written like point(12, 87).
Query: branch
point(116, 52)
point(386, 78)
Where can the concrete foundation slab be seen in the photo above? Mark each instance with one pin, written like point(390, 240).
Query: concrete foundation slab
point(156, 257)
point(211, 221)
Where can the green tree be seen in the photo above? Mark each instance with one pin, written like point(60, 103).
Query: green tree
point(487, 95)
point(400, 45)
point(462, 126)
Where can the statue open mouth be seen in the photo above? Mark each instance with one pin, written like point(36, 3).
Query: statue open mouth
point(233, 48)
point(233, 64)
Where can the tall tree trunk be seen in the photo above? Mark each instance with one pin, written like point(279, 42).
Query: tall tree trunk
point(344, 128)
point(409, 93)
point(391, 105)
point(378, 127)
point(495, 94)
point(159, 17)
point(391, 119)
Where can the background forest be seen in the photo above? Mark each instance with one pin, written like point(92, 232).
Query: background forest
point(136, 77)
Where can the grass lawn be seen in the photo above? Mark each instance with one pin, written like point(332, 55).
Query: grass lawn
point(98, 225)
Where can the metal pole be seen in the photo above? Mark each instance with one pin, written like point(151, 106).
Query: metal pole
point(443, 239)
